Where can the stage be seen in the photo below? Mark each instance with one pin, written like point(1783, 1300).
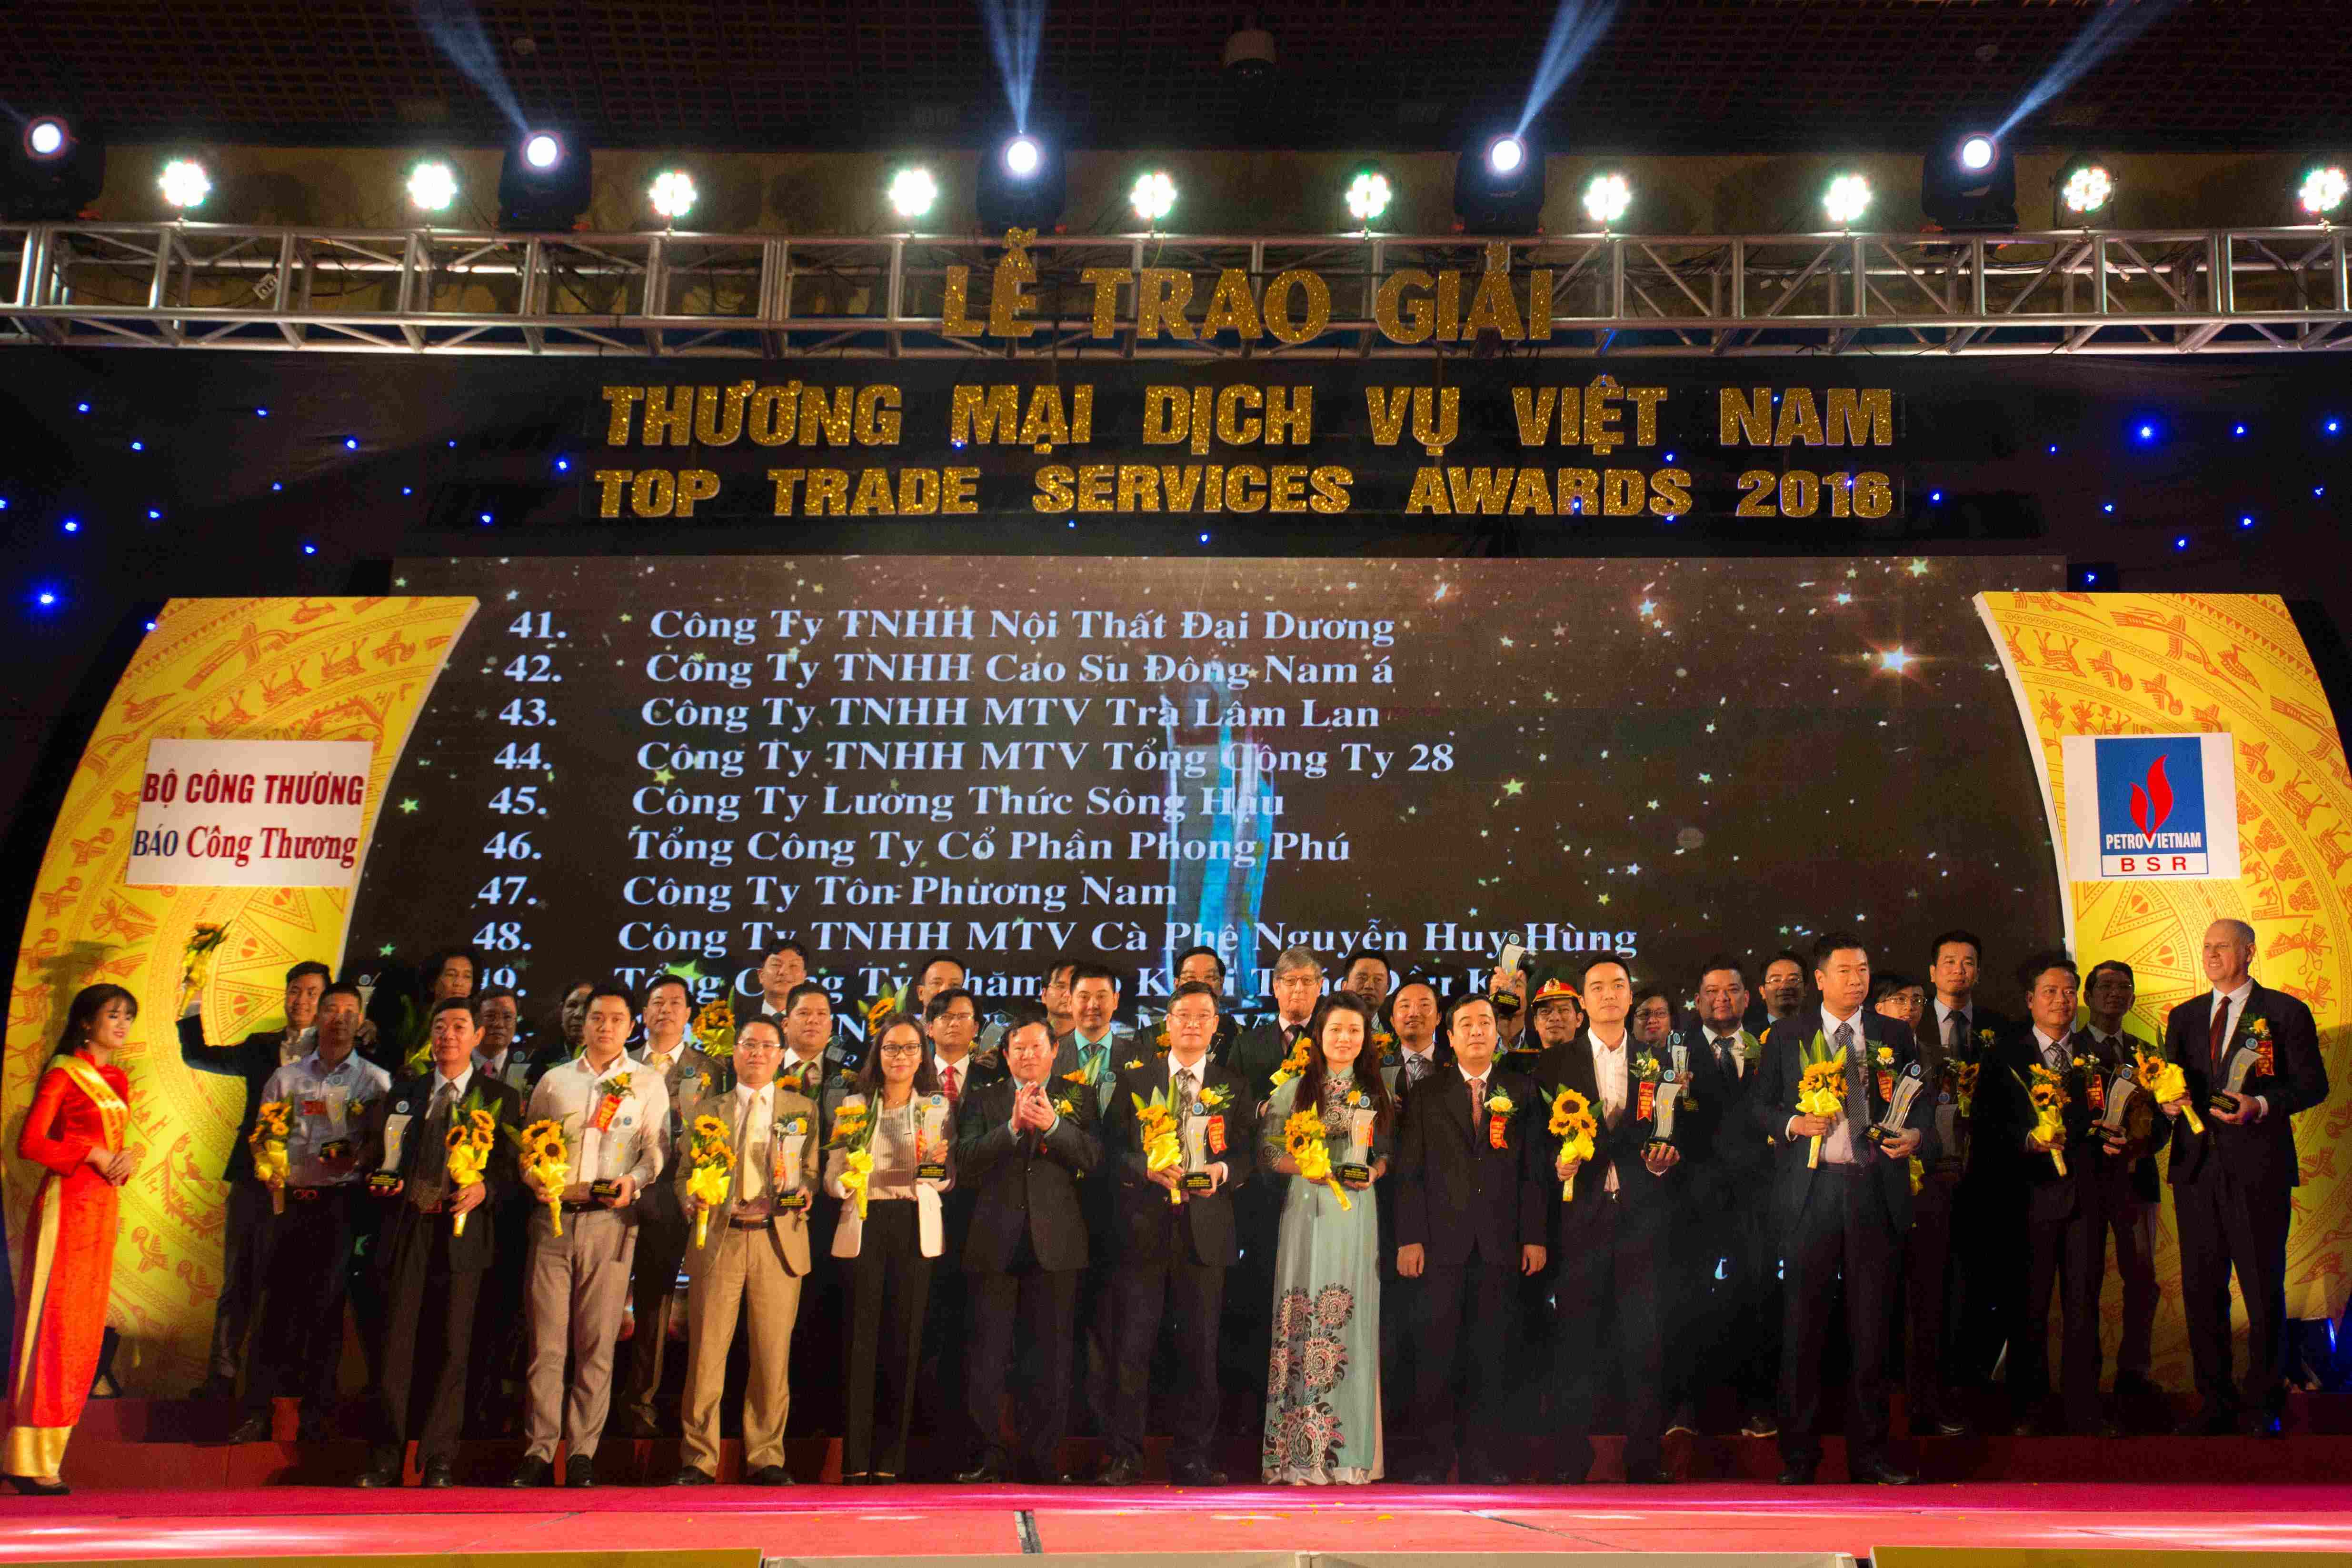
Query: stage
point(2171, 1511)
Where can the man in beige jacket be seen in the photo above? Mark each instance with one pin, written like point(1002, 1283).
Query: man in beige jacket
point(754, 1253)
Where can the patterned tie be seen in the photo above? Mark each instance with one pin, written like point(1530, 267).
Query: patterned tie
point(1477, 1101)
point(1416, 1067)
point(1093, 1058)
point(2220, 1031)
point(1186, 1084)
point(1857, 1093)
point(952, 1083)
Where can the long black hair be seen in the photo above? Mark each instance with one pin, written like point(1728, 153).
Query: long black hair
point(1367, 1068)
point(869, 1072)
point(88, 1004)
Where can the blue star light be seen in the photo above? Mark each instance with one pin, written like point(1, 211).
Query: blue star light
point(2054, 448)
point(46, 597)
point(2237, 430)
point(563, 465)
point(2108, 507)
point(2147, 433)
point(351, 443)
point(2246, 521)
point(1935, 497)
point(153, 515)
point(309, 548)
point(73, 525)
point(261, 414)
point(2181, 542)
point(138, 446)
point(81, 409)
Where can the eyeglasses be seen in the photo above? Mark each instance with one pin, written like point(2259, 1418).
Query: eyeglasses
point(898, 1050)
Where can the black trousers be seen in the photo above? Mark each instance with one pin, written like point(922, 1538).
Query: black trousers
point(1043, 1301)
point(2225, 1225)
point(501, 1346)
point(1842, 1231)
point(1466, 1346)
point(819, 1336)
point(1196, 1292)
point(890, 1286)
point(653, 1291)
point(429, 1337)
point(1930, 1284)
point(1246, 1339)
point(2064, 1258)
point(1987, 1216)
point(939, 1403)
point(301, 1345)
point(1614, 1265)
point(247, 1237)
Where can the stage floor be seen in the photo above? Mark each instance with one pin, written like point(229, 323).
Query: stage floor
point(2174, 1510)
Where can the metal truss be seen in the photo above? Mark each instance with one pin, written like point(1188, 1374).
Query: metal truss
point(763, 297)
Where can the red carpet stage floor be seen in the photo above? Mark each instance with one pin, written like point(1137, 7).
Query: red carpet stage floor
point(2173, 1509)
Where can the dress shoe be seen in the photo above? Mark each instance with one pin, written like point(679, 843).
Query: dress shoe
point(376, 1477)
point(1053, 1478)
point(856, 1478)
point(1197, 1475)
point(769, 1476)
point(435, 1474)
point(2132, 1385)
point(1430, 1475)
point(33, 1486)
point(580, 1470)
point(1763, 1423)
point(988, 1472)
point(254, 1428)
point(1798, 1476)
point(1484, 1475)
point(1933, 1423)
point(1878, 1473)
point(1121, 1472)
point(533, 1473)
point(2213, 1423)
point(694, 1475)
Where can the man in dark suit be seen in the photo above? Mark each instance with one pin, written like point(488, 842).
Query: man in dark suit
point(433, 1273)
point(1987, 1205)
point(1843, 1215)
point(1173, 1252)
point(2135, 1194)
point(246, 1236)
point(1022, 1146)
point(2065, 1228)
point(693, 1078)
point(2234, 1184)
point(1469, 1217)
point(1739, 1331)
point(1614, 1236)
point(950, 1021)
point(1413, 1010)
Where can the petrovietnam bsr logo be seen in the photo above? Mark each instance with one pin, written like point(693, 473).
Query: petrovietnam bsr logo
point(2152, 807)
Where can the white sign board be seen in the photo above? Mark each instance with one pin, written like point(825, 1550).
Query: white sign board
point(2150, 807)
point(247, 814)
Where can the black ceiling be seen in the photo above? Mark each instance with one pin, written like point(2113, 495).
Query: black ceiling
point(1668, 75)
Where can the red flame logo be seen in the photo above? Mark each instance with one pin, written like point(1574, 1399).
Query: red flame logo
point(2150, 805)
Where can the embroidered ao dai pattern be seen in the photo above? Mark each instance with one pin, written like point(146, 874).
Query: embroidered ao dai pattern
point(1323, 1377)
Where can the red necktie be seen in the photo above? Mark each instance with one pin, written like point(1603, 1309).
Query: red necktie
point(2220, 1030)
point(948, 1083)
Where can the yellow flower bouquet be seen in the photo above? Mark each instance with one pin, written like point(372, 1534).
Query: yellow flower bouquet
point(267, 1142)
point(2046, 1091)
point(1302, 1137)
point(1162, 1151)
point(1820, 1093)
point(852, 1131)
point(548, 1163)
point(1573, 1123)
point(470, 1134)
point(196, 957)
point(1294, 1064)
point(2168, 1085)
point(714, 1028)
point(710, 1170)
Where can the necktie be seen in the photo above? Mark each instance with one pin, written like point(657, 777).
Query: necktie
point(1092, 1056)
point(1185, 1085)
point(1416, 1066)
point(1857, 1093)
point(2054, 1052)
point(750, 1153)
point(2220, 1031)
point(1477, 1101)
point(952, 1082)
point(1956, 1034)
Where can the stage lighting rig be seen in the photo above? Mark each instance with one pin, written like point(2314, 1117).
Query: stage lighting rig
point(1498, 184)
point(1022, 184)
point(185, 185)
point(2086, 188)
point(1846, 200)
point(913, 193)
point(2323, 192)
point(673, 195)
point(543, 182)
point(1367, 197)
point(432, 186)
point(1607, 198)
point(1968, 184)
point(53, 171)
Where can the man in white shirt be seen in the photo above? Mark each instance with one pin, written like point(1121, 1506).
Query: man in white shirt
point(614, 1114)
point(1845, 1215)
point(326, 1094)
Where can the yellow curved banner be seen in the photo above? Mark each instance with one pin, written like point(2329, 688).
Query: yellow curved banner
point(2140, 664)
point(309, 669)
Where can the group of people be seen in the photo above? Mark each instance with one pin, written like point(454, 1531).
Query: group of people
point(1552, 1206)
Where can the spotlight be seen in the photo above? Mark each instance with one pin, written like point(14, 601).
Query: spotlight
point(53, 171)
point(2323, 191)
point(1020, 185)
point(913, 192)
point(2088, 189)
point(673, 194)
point(432, 186)
point(1153, 198)
point(1607, 197)
point(1498, 184)
point(1847, 199)
point(1970, 185)
point(184, 183)
point(543, 182)
point(1367, 197)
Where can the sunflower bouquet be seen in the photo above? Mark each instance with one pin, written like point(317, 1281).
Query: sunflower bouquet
point(710, 1171)
point(471, 1133)
point(547, 1162)
point(1821, 1091)
point(1302, 1137)
point(1295, 1063)
point(1964, 1086)
point(2167, 1084)
point(1162, 1149)
point(196, 958)
point(2045, 1091)
point(853, 1133)
point(1573, 1123)
point(268, 1142)
point(714, 1028)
